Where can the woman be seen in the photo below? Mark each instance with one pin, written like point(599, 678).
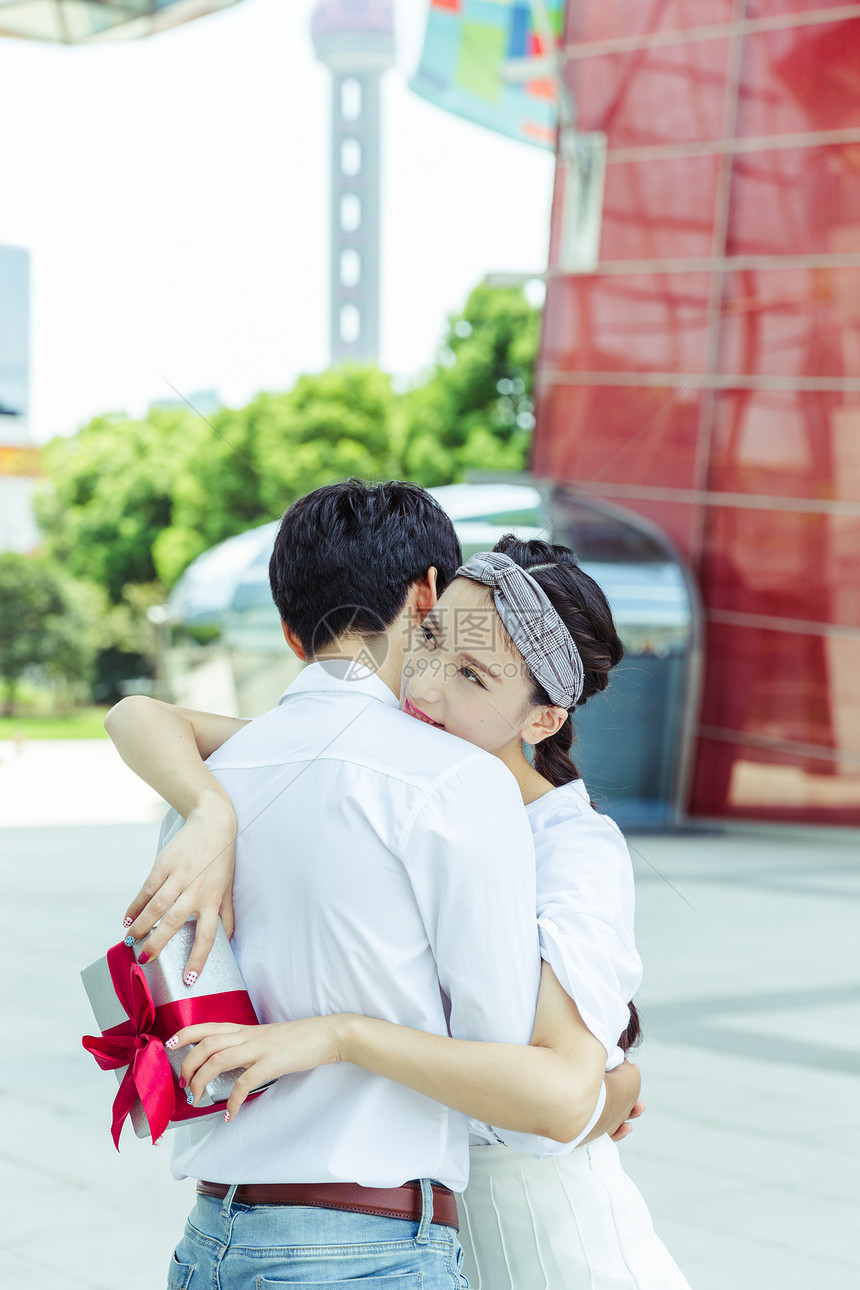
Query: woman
point(502, 661)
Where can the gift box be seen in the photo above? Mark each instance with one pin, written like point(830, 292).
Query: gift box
point(139, 1006)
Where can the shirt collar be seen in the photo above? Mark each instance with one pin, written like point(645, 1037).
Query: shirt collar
point(340, 676)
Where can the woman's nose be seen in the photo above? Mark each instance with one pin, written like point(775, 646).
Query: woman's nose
point(425, 678)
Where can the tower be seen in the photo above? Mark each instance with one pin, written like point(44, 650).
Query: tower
point(19, 457)
point(355, 40)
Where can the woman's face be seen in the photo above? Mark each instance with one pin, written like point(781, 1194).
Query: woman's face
point(464, 674)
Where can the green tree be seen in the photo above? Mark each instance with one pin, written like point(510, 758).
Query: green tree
point(254, 461)
point(476, 408)
point(46, 625)
point(132, 502)
point(110, 493)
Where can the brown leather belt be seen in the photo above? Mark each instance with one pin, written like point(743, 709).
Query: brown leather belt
point(387, 1202)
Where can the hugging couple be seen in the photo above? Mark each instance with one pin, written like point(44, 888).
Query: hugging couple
point(435, 928)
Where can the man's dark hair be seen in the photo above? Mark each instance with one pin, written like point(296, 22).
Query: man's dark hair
point(346, 555)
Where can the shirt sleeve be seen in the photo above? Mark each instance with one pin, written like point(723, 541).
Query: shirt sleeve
point(585, 922)
point(470, 856)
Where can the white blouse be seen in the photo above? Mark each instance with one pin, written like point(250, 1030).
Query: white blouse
point(585, 906)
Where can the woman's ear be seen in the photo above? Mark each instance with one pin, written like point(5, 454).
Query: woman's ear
point(543, 722)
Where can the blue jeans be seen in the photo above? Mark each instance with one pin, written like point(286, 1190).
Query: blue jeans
point(227, 1246)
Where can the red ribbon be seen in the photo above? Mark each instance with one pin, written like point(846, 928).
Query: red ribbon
point(138, 1043)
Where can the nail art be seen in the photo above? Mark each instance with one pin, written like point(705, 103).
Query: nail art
point(182, 1081)
point(143, 958)
point(226, 1117)
point(189, 1097)
point(129, 941)
point(172, 1042)
point(127, 922)
point(190, 978)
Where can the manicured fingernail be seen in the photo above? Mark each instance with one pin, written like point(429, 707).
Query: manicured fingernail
point(226, 1117)
point(143, 958)
point(189, 1097)
point(190, 978)
point(127, 922)
point(129, 941)
point(182, 1081)
point(172, 1042)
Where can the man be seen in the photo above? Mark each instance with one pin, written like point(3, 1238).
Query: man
point(382, 867)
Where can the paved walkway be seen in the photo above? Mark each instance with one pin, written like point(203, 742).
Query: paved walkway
point(751, 1007)
point(71, 781)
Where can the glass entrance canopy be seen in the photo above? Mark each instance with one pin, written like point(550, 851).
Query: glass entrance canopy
point(74, 22)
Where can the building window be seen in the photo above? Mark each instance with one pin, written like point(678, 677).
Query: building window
point(350, 324)
point(350, 157)
point(350, 267)
point(350, 212)
point(350, 99)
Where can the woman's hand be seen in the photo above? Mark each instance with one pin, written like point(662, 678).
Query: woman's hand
point(166, 747)
point(265, 1052)
point(624, 1130)
point(191, 876)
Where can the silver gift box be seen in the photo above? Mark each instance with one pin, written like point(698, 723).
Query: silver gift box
point(164, 977)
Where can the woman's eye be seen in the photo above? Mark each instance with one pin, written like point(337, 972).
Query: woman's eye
point(429, 638)
point(472, 676)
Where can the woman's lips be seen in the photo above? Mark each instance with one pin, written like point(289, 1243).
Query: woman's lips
point(410, 707)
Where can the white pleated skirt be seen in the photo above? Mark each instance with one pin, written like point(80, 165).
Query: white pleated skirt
point(573, 1222)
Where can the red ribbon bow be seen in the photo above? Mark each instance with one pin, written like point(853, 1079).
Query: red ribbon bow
point(133, 1044)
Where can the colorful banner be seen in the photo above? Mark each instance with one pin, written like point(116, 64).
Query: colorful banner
point(471, 55)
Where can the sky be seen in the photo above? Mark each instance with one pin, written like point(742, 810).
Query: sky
point(173, 194)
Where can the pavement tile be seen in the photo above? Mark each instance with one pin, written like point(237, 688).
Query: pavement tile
point(721, 1263)
point(30, 1271)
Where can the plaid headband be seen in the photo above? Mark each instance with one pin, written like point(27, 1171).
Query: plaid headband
point(532, 623)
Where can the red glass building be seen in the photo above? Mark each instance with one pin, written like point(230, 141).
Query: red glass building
point(706, 375)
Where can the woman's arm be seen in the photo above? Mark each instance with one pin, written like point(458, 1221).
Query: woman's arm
point(166, 746)
point(549, 1088)
point(193, 874)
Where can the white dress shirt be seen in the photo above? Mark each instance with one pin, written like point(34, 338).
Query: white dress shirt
point(382, 867)
point(585, 906)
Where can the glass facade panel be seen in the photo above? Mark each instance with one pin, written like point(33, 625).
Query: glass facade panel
point(607, 19)
point(796, 201)
point(600, 429)
point(626, 323)
point(787, 443)
point(659, 209)
point(668, 94)
point(792, 322)
point(784, 89)
point(740, 782)
point(781, 564)
point(783, 8)
point(779, 686)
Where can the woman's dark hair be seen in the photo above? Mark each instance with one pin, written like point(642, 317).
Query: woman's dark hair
point(633, 1033)
point(346, 555)
point(585, 612)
